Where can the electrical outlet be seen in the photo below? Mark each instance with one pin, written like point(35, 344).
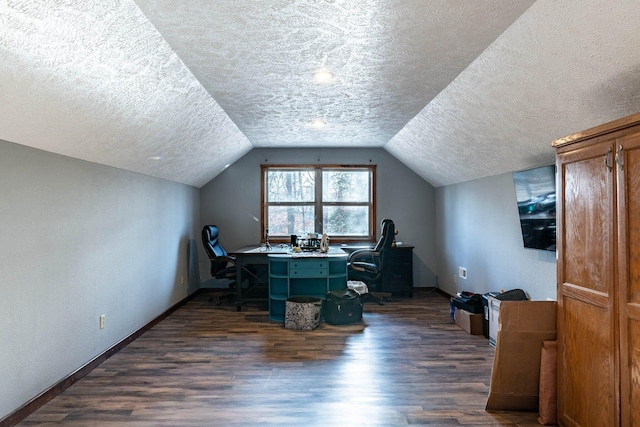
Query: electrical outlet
point(102, 322)
point(462, 272)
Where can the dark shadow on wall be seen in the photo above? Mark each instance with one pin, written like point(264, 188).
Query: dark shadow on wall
point(193, 269)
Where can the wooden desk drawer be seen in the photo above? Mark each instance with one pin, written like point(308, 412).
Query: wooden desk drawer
point(308, 268)
point(308, 272)
point(307, 265)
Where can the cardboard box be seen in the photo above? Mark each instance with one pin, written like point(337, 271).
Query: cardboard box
point(470, 322)
point(515, 378)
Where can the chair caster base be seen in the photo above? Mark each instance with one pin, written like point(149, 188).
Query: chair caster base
point(218, 302)
point(218, 297)
point(381, 297)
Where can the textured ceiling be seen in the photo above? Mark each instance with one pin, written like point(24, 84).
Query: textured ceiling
point(96, 81)
point(390, 58)
point(563, 67)
point(456, 90)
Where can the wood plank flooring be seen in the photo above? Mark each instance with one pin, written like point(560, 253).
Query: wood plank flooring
point(207, 365)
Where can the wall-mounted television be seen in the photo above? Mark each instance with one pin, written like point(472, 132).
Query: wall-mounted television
point(536, 197)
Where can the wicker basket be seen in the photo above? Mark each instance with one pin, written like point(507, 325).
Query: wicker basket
point(302, 313)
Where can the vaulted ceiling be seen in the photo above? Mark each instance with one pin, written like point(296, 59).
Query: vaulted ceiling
point(456, 90)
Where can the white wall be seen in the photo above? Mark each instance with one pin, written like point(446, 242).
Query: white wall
point(478, 228)
point(232, 201)
point(79, 240)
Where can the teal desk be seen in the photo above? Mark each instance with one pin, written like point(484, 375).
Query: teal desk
point(307, 274)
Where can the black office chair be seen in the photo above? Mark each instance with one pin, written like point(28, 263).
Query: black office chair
point(222, 265)
point(367, 265)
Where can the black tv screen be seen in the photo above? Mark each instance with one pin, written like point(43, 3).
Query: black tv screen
point(536, 196)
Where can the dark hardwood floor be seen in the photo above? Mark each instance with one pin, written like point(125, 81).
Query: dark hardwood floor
point(207, 365)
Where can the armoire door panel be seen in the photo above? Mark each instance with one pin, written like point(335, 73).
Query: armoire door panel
point(631, 382)
point(586, 328)
point(588, 365)
point(588, 223)
point(628, 149)
point(630, 232)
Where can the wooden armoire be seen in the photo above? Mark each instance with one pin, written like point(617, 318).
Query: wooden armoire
point(598, 244)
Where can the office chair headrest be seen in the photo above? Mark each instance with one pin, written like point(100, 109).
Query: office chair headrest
point(211, 242)
point(387, 229)
point(388, 233)
point(210, 233)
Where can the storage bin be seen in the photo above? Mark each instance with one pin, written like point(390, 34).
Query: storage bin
point(485, 310)
point(302, 312)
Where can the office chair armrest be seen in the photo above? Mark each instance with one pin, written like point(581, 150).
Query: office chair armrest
point(359, 254)
point(227, 258)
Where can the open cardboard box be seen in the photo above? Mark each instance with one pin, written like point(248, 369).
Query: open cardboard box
point(522, 327)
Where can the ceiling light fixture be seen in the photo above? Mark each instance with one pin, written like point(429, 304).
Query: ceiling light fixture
point(323, 76)
point(318, 124)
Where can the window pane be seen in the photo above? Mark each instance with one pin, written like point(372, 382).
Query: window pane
point(346, 220)
point(290, 185)
point(345, 186)
point(287, 220)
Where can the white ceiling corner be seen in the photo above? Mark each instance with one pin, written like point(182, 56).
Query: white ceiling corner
point(96, 81)
point(560, 68)
point(178, 90)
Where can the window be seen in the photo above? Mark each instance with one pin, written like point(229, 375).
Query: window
point(337, 200)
